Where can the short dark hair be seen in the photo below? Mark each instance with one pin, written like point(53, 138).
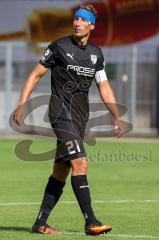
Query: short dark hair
point(90, 8)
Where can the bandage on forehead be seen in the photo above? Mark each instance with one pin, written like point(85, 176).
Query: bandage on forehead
point(83, 13)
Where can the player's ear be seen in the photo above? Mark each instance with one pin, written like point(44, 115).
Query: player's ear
point(92, 26)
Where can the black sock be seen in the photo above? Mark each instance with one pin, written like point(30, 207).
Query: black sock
point(81, 190)
point(53, 192)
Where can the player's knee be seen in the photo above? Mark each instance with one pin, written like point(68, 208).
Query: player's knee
point(61, 176)
point(61, 171)
point(79, 166)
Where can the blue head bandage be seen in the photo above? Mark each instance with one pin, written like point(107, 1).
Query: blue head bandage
point(83, 13)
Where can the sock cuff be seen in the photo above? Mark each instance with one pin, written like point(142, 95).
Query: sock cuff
point(54, 186)
point(79, 177)
point(79, 182)
point(56, 181)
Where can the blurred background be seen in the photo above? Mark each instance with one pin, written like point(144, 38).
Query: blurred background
point(127, 31)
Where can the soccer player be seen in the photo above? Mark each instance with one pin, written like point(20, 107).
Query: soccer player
point(74, 63)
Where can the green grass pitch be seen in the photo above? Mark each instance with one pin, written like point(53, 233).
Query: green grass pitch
point(125, 192)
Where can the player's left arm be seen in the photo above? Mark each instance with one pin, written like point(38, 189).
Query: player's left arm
point(108, 98)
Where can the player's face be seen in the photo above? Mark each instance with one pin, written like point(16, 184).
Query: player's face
point(82, 27)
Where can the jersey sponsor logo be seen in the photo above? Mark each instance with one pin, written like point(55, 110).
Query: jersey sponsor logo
point(94, 59)
point(47, 54)
point(70, 55)
point(89, 72)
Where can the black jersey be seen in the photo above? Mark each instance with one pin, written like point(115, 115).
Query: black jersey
point(73, 68)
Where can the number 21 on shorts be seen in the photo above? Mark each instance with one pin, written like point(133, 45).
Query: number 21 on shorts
point(73, 146)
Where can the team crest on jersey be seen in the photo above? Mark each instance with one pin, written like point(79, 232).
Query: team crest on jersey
point(94, 59)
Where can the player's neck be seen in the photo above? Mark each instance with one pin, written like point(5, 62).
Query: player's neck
point(81, 40)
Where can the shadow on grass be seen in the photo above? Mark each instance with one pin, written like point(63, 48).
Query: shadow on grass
point(28, 230)
point(15, 229)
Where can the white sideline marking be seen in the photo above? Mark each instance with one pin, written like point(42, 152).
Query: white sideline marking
point(112, 235)
point(75, 202)
point(127, 201)
point(18, 203)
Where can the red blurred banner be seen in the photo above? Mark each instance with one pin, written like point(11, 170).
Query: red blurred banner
point(119, 22)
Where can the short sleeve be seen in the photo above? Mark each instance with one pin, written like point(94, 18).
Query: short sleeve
point(100, 63)
point(49, 56)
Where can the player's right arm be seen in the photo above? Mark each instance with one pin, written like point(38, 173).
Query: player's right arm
point(29, 86)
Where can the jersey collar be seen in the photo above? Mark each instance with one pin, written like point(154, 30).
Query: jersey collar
point(78, 45)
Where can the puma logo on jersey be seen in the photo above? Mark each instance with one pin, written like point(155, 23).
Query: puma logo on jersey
point(70, 55)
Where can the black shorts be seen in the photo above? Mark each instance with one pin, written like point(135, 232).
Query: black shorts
point(70, 136)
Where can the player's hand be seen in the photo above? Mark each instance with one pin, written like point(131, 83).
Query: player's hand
point(20, 114)
point(120, 128)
